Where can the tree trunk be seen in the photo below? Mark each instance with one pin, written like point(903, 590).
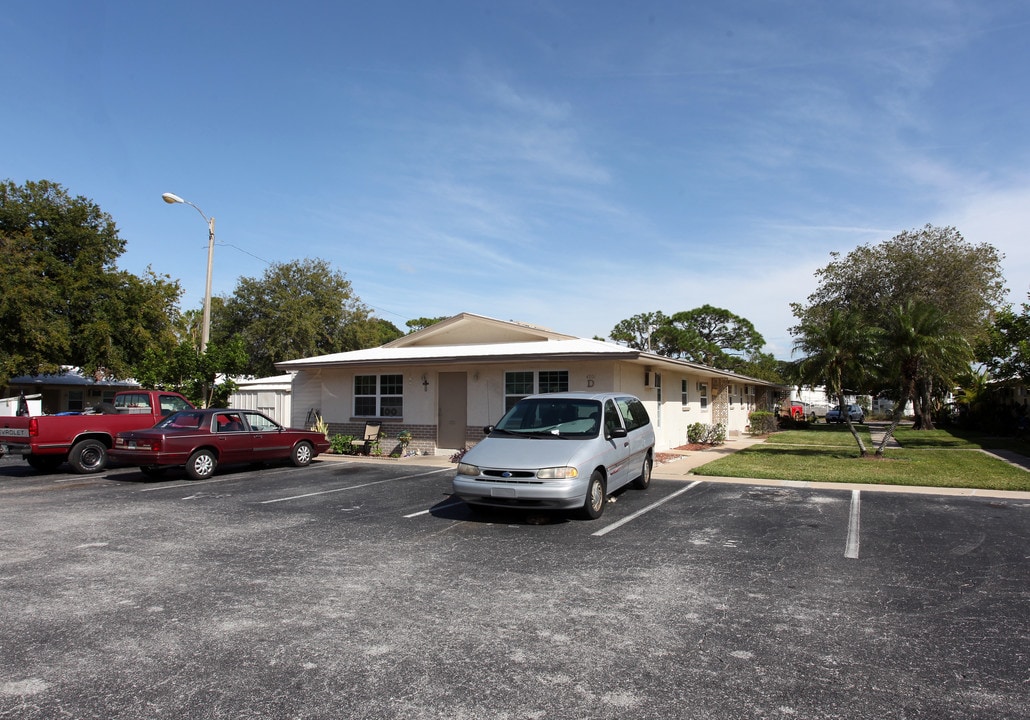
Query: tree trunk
point(899, 411)
point(862, 451)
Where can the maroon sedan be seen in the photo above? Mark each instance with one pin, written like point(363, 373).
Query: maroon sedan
point(201, 440)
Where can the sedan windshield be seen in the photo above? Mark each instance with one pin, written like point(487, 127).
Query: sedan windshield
point(560, 417)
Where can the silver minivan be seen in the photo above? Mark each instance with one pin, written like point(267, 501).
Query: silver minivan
point(561, 451)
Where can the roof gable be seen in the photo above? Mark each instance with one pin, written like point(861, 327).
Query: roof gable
point(470, 329)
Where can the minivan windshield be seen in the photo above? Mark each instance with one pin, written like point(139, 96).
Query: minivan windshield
point(557, 417)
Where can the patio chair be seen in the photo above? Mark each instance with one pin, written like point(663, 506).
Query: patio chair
point(370, 438)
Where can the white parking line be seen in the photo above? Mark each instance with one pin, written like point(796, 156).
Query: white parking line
point(435, 507)
point(851, 548)
point(649, 508)
point(353, 487)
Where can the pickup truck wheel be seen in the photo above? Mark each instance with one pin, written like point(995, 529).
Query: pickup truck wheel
point(88, 456)
point(302, 453)
point(201, 465)
point(44, 463)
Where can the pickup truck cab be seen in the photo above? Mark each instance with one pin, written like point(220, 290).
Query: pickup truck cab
point(46, 441)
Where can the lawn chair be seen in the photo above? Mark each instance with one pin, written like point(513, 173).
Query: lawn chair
point(370, 438)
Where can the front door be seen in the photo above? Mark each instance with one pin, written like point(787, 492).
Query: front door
point(452, 409)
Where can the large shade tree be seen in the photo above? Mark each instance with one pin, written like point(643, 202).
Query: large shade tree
point(931, 267)
point(296, 309)
point(706, 335)
point(63, 300)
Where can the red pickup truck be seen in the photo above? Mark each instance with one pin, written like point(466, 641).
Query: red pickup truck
point(794, 409)
point(46, 441)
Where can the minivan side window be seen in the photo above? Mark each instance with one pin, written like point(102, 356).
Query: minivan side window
point(634, 414)
point(611, 418)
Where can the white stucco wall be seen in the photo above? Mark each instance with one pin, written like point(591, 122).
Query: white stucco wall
point(331, 392)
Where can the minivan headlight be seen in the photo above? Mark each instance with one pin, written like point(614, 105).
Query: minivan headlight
point(466, 469)
point(557, 473)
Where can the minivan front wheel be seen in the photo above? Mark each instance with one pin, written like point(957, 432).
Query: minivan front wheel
point(593, 506)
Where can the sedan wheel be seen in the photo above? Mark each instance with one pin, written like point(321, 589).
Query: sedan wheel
point(593, 506)
point(201, 465)
point(302, 454)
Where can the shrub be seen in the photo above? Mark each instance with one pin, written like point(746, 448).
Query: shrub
point(761, 422)
point(702, 434)
point(341, 444)
point(456, 457)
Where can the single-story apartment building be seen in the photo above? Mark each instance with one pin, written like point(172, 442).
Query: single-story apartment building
point(444, 383)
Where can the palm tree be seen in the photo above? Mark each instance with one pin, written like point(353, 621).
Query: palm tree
point(839, 348)
point(920, 351)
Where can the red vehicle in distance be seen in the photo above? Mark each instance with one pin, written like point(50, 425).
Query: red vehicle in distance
point(794, 409)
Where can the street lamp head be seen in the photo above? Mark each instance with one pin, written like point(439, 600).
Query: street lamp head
point(172, 199)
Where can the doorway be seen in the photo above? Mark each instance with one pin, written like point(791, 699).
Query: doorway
point(452, 409)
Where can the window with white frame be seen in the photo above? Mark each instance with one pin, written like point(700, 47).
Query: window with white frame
point(520, 383)
point(684, 395)
point(378, 395)
point(702, 392)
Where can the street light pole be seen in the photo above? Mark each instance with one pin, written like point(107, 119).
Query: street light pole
point(205, 329)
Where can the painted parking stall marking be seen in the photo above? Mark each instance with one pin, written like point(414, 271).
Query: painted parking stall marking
point(354, 487)
point(642, 511)
point(851, 547)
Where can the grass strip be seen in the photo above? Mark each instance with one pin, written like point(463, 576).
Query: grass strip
point(933, 467)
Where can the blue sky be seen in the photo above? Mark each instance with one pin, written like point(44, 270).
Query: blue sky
point(569, 164)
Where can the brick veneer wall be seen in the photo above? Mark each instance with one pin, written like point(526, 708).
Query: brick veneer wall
point(423, 437)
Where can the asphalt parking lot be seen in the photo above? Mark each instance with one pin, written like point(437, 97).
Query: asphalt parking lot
point(362, 590)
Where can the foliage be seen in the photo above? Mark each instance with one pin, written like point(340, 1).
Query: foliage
point(367, 332)
point(296, 309)
point(761, 422)
point(457, 456)
point(838, 349)
point(707, 335)
point(186, 370)
point(1006, 350)
point(929, 294)
point(63, 301)
point(404, 438)
point(416, 324)
point(341, 444)
point(762, 366)
point(923, 355)
point(703, 434)
point(321, 425)
point(637, 331)
point(933, 265)
point(711, 336)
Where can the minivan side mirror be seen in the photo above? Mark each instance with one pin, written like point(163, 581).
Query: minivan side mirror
point(619, 432)
point(488, 429)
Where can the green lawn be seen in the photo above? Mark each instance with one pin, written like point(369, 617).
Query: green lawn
point(939, 458)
